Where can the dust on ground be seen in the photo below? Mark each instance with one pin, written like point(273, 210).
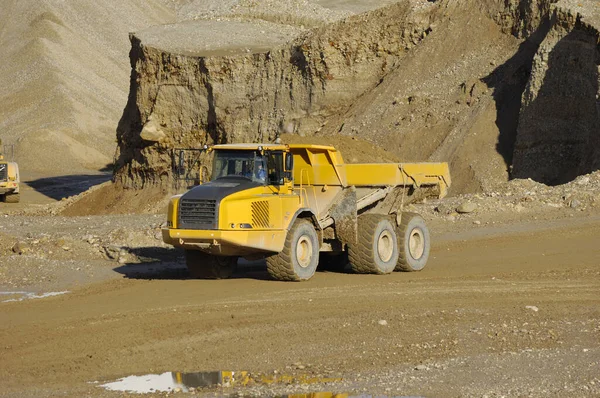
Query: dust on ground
point(507, 305)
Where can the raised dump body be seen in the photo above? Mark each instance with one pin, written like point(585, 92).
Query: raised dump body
point(288, 203)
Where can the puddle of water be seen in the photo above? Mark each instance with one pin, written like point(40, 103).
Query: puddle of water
point(144, 384)
point(338, 395)
point(190, 382)
point(20, 296)
point(186, 382)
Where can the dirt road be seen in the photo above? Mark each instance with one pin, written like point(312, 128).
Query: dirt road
point(511, 311)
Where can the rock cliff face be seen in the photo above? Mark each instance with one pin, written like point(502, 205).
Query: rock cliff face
point(559, 127)
point(491, 86)
point(187, 100)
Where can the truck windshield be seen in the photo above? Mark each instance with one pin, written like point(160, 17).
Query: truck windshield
point(247, 164)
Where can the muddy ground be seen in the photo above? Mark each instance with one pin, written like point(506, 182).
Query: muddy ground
point(508, 305)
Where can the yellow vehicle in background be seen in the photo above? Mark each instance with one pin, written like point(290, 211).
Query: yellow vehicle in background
point(295, 204)
point(9, 179)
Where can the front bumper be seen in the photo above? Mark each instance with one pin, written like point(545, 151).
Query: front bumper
point(9, 187)
point(226, 243)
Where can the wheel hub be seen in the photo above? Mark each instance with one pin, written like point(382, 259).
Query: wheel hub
point(304, 251)
point(385, 246)
point(416, 243)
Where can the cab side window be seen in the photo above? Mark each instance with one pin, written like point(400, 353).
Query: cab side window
point(275, 168)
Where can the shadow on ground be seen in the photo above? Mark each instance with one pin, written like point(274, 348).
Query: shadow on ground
point(61, 187)
point(169, 263)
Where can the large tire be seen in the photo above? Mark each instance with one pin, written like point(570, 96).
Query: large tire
point(205, 266)
point(414, 243)
point(376, 249)
point(300, 255)
point(12, 198)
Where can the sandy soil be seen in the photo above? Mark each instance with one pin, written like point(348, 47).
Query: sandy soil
point(509, 307)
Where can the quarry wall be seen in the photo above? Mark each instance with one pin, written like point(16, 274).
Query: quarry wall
point(183, 100)
point(558, 136)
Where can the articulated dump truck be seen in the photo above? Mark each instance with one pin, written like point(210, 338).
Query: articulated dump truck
point(301, 205)
point(9, 179)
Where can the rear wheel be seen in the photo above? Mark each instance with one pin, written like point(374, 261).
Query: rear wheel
point(12, 198)
point(414, 243)
point(376, 249)
point(300, 255)
point(205, 266)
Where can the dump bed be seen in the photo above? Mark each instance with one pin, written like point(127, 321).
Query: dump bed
point(323, 165)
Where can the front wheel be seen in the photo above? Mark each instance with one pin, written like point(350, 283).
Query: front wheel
point(205, 266)
point(12, 198)
point(414, 243)
point(300, 255)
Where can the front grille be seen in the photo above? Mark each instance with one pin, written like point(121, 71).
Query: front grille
point(198, 212)
point(3, 172)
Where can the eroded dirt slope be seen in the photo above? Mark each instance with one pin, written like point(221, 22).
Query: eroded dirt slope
point(64, 76)
point(451, 81)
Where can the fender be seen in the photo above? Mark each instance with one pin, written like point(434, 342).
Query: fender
point(305, 212)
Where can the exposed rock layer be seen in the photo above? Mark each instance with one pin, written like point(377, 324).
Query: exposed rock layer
point(559, 126)
point(391, 77)
point(294, 87)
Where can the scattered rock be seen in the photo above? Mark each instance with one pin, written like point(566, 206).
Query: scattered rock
point(382, 322)
point(466, 208)
point(20, 248)
point(112, 252)
point(421, 367)
point(443, 209)
point(532, 308)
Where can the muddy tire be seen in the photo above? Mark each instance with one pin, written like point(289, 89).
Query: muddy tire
point(12, 198)
point(376, 249)
point(414, 243)
point(300, 255)
point(205, 266)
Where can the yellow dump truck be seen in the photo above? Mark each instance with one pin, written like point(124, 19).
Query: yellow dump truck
point(297, 204)
point(9, 180)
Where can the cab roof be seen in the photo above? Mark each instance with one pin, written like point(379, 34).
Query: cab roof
point(271, 147)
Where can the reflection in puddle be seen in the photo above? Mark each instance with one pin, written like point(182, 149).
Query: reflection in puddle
point(186, 382)
point(190, 382)
point(144, 384)
point(20, 296)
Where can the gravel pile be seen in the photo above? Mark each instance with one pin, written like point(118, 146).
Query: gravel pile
point(57, 252)
point(518, 199)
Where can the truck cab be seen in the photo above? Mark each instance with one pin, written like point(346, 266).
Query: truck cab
point(251, 191)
